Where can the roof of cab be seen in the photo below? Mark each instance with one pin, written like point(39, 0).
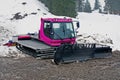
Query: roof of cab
point(57, 19)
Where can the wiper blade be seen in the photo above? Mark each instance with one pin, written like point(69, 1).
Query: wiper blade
point(58, 35)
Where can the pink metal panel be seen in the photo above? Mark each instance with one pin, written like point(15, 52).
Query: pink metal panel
point(49, 41)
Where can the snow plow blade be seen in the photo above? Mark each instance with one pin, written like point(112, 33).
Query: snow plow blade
point(67, 53)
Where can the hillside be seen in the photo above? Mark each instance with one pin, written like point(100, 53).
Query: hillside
point(18, 17)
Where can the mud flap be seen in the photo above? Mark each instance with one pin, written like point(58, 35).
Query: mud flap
point(68, 53)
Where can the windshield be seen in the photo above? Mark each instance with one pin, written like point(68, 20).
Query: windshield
point(63, 30)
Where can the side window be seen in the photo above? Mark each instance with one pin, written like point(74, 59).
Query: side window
point(47, 29)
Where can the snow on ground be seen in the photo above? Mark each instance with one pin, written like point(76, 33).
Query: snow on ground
point(102, 25)
point(23, 16)
point(19, 17)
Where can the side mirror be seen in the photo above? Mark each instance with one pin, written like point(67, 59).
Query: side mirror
point(78, 24)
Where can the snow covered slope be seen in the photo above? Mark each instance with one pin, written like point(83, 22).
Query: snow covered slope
point(101, 26)
point(19, 17)
point(23, 16)
point(29, 11)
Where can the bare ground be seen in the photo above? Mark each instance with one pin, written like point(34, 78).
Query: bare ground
point(28, 68)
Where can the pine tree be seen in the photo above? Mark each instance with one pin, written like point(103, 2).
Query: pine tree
point(112, 6)
point(61, 7)
point(87, 7)
point(80, 5)
point(106, 8)
point(97, 5)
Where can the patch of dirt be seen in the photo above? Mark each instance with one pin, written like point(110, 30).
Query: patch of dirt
point(29, 68)
point(24, 3)
point(18, 16)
